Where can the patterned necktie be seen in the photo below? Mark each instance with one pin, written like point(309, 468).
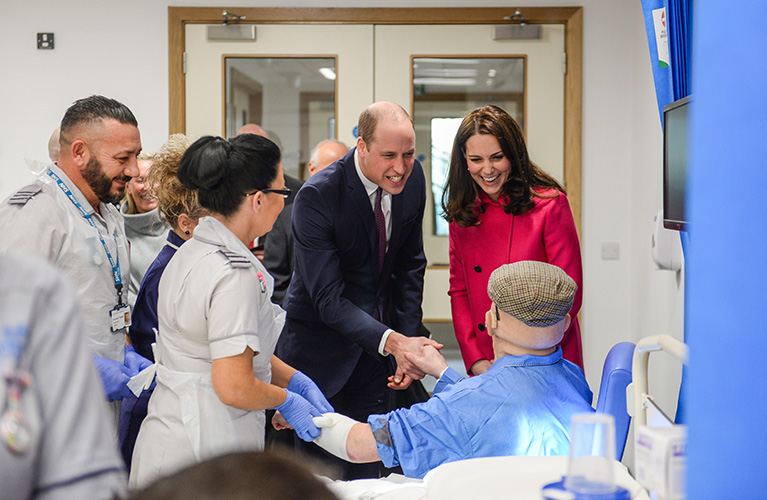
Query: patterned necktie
point(381, 227)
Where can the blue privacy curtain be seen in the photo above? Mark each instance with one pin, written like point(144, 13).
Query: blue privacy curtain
point(669, 38)
point(727, 292)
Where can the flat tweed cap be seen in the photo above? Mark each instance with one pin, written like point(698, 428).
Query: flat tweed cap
point(536, 293)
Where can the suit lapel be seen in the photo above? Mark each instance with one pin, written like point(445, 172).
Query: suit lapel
point(359, 197)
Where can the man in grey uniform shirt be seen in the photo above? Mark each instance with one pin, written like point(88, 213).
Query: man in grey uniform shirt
point(68, 217)
point(55, 437)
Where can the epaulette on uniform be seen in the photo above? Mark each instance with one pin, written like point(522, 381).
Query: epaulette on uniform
point(236, 260)
point(23, 195)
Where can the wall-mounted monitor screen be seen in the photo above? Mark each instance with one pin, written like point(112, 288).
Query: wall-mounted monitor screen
point(676, 120)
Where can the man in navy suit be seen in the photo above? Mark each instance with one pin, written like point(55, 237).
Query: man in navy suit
point(356, 299)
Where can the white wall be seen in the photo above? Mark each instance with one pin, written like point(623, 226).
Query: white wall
point(119, 48)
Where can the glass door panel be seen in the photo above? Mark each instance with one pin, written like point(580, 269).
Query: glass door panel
point(444, 90)
point(295, 95)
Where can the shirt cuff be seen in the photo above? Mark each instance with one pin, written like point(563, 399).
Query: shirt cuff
point(382, 344)
point(447, 378)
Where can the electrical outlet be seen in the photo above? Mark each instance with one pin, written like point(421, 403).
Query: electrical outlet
point(45, 41)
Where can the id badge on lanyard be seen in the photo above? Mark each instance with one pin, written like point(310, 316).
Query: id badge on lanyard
point(120, 315)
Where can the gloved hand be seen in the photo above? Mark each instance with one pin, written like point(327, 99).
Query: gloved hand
point(299, 412)
point(335, 430)
point(304, 386)
point(134, 361)
point(114, 377)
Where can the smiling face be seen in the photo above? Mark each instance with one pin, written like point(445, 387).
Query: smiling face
point(487, 163)
point(138, 188)
point(112, 148)
point(388, 159)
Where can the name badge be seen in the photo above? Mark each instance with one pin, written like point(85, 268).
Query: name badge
point(121, 317)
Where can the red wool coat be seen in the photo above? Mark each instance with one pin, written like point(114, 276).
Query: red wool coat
point(546, 234)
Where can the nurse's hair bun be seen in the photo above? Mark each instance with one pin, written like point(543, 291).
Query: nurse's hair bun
point(224, 171)
point(205, 163)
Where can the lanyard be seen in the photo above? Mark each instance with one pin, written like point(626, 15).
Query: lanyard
point(115, 262)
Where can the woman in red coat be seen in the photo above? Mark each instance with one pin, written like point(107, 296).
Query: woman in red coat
point(502, 208)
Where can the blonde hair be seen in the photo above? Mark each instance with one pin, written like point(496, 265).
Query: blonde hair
point(130, 203)
point(173, 199)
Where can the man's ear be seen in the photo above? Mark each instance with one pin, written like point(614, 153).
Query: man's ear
point(491, 323)
point(362, 148)
point(568, 320)
point(79, 151)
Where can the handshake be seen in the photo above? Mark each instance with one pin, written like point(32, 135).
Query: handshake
point(416, 357)
point(331, 430)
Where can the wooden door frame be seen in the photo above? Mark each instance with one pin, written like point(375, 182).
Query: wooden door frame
point(570, 17)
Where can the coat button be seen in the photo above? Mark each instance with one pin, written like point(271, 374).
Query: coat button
point(478, 269)
point(481, 327)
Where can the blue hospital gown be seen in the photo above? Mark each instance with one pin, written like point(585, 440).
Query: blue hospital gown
point(521, 406)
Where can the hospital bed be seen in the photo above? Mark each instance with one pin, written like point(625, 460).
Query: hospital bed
point(518, 478)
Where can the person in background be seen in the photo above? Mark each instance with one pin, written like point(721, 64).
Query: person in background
point(239, 476)
point(68, 217)
point(216, 371)
point(178, 208)
point(54, 148)
point(143, 227)
point(253, 128)
point(290, 182)
point(522, 405)
point(278, 243)
point(496, 195)
point(357, 287)
point(57, 441)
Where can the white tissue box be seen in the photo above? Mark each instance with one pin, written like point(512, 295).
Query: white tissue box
point(661, 460)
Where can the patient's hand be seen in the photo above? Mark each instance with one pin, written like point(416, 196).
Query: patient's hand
point(429, 360)
point(279, 422)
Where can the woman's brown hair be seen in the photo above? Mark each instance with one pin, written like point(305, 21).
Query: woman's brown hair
point(459, 199)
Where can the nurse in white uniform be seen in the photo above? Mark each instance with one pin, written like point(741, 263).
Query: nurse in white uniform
point(216, 371)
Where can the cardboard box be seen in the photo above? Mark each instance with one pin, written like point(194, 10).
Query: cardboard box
point(661, 460)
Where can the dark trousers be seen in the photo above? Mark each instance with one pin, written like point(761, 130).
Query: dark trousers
point(133, 411)
point(365, 393)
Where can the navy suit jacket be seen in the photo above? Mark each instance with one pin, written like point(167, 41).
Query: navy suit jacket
point(336, 286)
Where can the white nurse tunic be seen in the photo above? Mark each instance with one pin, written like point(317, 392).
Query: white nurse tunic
point(214, 301)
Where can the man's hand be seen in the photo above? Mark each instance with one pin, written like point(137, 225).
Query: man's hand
point(429, 361)
point(397, 345)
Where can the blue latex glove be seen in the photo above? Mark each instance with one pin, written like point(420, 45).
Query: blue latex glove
point(135, 361)
point(299, 412)
point(304, 386)
point(114, 377)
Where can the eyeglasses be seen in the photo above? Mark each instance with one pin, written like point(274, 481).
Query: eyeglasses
point(284, 192)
